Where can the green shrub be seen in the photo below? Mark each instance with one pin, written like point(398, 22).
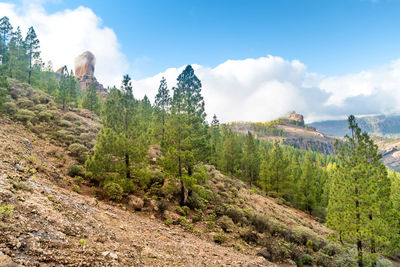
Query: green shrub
point(65, 123)
point(10, 108)
point(323, 260)
point(226, 224)
point(5, 211)
point(236, 214)
point(77, 149)
point(201, 174)
point(70, 116)
point(25, 103)
point(82, 241)
point(75, 170)
point(40, 107)
point(114, 191)
point(45, 115)
point(248, 235)
point(196, 202)
point(76, 188)
point(275, 250)
point(219, 238)
point(384, 263)
point(346, 258)
point(306, 259)
point(24, 115)
point(183, 221)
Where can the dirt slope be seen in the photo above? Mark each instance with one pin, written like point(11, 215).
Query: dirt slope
point(51, 225)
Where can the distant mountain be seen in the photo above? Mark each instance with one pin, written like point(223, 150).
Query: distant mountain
point(380, 125)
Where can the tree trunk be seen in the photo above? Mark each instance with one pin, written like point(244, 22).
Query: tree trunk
point(128, 171)
point(163, 126)
point(30, 69)
point(359, 254)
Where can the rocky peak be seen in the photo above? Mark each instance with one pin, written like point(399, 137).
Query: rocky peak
point(84, 72)
point(293, 116)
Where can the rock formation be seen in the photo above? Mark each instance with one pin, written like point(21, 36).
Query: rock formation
point(293, 116)
point(84, 72)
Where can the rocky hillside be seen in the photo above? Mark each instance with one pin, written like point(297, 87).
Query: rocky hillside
point(290, 132)
point(50, 223)
point(51, 215)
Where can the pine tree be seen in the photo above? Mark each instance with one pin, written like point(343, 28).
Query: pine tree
point(215, 142)
point(5, 29)
point(17, 66)
point(91, 99)
point(232, 153)
point(187, 131)
point(306, 192)
point(62, 94)
point(32, 49)
point(274, 173)
point(360, 209)
point(251, 158)
point(122, 143)
point(162, 104)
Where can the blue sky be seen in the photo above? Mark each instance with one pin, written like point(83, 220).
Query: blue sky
point(331, 37)
point(256, 59)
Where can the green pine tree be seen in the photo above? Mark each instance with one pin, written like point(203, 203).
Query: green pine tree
point(360, 210)
point(32, 50)
point(162, 105)
point(91, 100)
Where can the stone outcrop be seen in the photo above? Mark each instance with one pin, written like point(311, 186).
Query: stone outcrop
point(293, 116)
point(84, 72)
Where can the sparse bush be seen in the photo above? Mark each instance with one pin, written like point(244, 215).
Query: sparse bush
point(183, 221)
point(65, 123)
point(5, 211)
point(236, 214)
point(114, 191)
point(75, 170)
point(70, 116)
point(24, 115)
point(77, 149)
point(45, 116)
point(306, 259)
point(197, 232)
point(220, 238)
point(76, 188)
point(10, 108)
point(323, 260)
point(226, 224)
point(347, 258)
point(384, 263)
point(22, 186)
point(248, 235)
point(196, 202)
point(275, 250)
point(25, 103)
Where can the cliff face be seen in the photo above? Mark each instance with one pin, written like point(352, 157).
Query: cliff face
point(84, 65)
point(84, 72)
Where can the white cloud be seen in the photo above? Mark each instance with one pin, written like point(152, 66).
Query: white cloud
point(265, 88)
point(252, 89)
point(65, 35)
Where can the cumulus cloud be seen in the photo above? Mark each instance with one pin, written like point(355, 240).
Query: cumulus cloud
point(265, 88)
point(65, 35)
point(251, 89)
